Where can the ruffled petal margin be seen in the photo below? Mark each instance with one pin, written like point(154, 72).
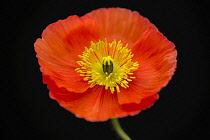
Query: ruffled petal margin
point(63, 41)
point(95, 104)
point(154, 50)
point(58, 50)
point(157, 62)
point(120, 24)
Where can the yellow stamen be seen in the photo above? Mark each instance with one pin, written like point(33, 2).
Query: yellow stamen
point(107, 64)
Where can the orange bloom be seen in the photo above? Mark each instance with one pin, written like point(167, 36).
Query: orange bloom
point(106, 64)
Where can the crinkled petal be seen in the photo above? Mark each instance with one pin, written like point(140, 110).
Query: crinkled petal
point(59, 47)
point(99, 104)
point(145, 84)
point(120, 24)
point(95, 104)
point(63, 41)
point(157, 62)
point(59, 93)
point(138, 107)
point(154, 50)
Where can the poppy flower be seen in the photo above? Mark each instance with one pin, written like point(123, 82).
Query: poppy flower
point(109, 63)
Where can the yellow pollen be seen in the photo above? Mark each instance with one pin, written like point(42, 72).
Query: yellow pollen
point(107, 64)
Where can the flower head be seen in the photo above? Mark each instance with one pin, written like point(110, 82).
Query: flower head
point(106, 64)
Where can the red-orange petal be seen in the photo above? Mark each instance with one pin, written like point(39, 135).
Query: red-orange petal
point(95, 104)
point(154, 50)
point(145, 103)
point(120, 24)
point(157, 62)
point(59, 47)
point(59, 93)
point(64, 40)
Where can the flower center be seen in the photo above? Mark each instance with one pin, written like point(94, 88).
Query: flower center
point(107, 64)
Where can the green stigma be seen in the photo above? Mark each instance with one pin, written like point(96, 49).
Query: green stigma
point(107, 65)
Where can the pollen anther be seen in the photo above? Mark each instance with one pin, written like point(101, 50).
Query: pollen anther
point(107, 64)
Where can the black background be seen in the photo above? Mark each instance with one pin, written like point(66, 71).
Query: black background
point(182, 112)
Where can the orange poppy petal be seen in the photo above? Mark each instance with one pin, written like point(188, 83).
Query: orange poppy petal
point(59, 47)
point(59, 93)
point(63, 41)
point(157, 62)
point(145, 103)
point(63, 75)
point(120, 24)
point(155, 51)
point(68, 37)
point(96, 104)
point(143, 86)
point(79, 33)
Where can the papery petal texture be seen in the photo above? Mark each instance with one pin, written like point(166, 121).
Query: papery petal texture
point(61, 49)
point(120, 24)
